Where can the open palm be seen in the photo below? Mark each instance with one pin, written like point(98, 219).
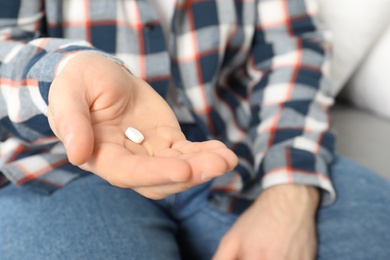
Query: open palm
point(90, 107)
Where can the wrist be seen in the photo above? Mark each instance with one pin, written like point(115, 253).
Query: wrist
point(294, 195)
point(61, 65)
point(91, 53)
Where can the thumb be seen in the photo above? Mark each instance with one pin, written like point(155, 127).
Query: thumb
point(69, 118)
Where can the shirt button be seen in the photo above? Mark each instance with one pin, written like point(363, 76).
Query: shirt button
point(149, 26)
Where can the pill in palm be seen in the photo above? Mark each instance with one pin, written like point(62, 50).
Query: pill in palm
point(134, 135)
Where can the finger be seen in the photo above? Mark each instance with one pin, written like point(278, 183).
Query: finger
point(187, 146)
point(163, 191)
point(70, 120)
point(162, 138)
point(227, 250)
point(207, 159)
point(228, 155)
point(153, 144)
point(214, 146)
point(123, 169)
point(205, 165)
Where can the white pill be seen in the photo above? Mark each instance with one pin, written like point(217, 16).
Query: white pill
point(134, 135)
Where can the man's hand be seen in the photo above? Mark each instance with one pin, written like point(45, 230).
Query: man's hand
point(91, 104)
point(279, 225)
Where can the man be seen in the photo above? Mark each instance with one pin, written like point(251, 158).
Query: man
point(246, 73)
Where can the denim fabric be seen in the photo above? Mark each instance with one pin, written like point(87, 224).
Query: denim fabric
point(89, 219)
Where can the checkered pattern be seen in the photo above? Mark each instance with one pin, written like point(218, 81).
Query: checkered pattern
point(249, 71)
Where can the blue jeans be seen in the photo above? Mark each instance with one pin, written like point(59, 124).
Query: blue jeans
point(89, 219)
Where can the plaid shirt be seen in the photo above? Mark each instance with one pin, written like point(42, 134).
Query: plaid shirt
point(250, 72)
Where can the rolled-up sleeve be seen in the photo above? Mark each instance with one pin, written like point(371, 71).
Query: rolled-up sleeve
point(29, 62)
point(290, 100)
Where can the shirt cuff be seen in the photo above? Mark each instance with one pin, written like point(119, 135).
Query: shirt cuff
point(283, 165)
point(50, 64)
